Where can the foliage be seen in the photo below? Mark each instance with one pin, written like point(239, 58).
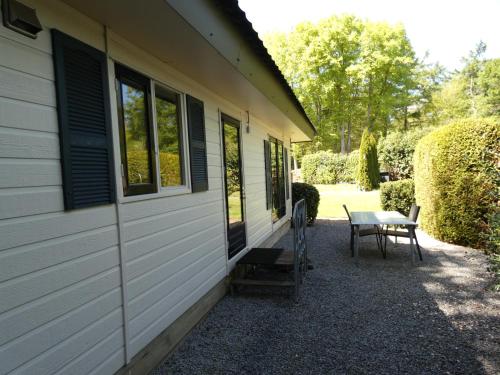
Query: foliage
point(457, 179)
point(138, 166)
point(368, 173)
point(348, 74)
point(398, 195)
point(311, 195)
point(492, 238)
point(325, 167)
point(472, 92)
point(395, 152)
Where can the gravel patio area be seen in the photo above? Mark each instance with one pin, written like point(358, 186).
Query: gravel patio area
point(385, 317)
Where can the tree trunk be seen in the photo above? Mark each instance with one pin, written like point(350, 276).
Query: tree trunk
point(342, 139)
point(349, 125)
point(405, 123)
point(369, 107)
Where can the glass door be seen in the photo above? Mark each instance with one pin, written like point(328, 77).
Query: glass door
point(236, 234)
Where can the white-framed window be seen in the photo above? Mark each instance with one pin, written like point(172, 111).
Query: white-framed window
point(153, 135)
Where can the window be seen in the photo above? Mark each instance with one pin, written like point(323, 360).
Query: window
point(152, 135)
point(169, 123)
point(277, 179)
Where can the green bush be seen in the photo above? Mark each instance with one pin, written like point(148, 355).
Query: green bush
point(311, 195)
point(457, 180)
point(368, 173)
point(398, 195)
point(325, 167)
point(395, 152)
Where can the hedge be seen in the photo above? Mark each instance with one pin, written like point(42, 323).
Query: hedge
point(398, 195)
point(308, 192)
point(395, 152)
point(457, 180)
point(368, 172)
point(325, 167)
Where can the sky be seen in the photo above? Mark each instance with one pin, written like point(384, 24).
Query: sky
point(447, 29)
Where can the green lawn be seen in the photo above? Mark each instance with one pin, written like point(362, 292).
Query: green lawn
point(333, 196)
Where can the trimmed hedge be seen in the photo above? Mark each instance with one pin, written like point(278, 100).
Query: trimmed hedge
point(457, 180)
point(325, 167)
point(395, 152)
point(308, 192)
point(398, 195)
point(368, 173)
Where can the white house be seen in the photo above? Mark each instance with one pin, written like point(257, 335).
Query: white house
point(143, 150)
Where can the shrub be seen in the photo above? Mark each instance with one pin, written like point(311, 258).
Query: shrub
point(398, 195)
point(368, 174)
point(325, 167)
point(457, 179)
point(395, 152)
point(311, 195)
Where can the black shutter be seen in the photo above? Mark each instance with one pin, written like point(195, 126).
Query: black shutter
point(287, 183)
point(197, 144)
point(84, 122)
point(267, 167)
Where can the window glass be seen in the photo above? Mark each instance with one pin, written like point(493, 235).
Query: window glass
point(277, 179)
point(136, 135)
point(169, 137)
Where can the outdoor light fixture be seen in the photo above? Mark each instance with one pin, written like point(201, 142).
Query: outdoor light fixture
point(20, 18)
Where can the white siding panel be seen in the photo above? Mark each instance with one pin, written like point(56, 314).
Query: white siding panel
point(102, 353)
point(22, 86)
point(168, 278)
point(26, 144)
point(55, 334)
point(21, 231)
point(29, 173)
point(25, 259)
point(30, 201)
point(26, 288)
point(141, 209)
point(155, 258)
point(20, 321)
point(172, 237)
point(154, 224)
point(162, 316)
point(83, 340)
point(25, 59)
point(29, 116)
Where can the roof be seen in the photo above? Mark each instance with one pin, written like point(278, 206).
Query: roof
point(239, 20)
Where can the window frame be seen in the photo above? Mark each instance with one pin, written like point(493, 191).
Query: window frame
point(183, 141)
point(133, 192)
point(275, 143)
point(140, 82)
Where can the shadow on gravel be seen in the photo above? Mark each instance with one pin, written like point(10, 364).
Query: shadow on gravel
point(385, 317)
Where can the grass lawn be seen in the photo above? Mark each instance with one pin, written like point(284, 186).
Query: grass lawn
point(334, 196)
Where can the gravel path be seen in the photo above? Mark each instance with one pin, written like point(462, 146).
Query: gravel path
point(385, 317)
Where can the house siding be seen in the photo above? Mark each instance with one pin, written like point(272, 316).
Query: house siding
point(62, 278)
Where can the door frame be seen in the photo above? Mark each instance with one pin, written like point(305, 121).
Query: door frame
point(225, 118)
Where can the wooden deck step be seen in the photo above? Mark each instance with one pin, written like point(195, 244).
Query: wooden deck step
point(266, 282)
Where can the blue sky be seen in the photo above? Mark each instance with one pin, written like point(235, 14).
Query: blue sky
point(447, 29)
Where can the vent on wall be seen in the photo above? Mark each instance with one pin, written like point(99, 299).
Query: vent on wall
point(20, 18)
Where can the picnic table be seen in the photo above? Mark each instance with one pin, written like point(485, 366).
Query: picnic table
point(380, 218)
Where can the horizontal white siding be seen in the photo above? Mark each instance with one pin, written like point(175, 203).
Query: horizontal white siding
point(61, 307)
point(60, 286)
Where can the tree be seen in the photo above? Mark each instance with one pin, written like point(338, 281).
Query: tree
point(348, 74)
point(368, 175)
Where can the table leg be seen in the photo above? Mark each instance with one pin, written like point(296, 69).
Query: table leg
point(411, 229)
point(356, 246)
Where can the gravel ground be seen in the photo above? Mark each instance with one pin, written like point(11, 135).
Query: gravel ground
point(385, 317)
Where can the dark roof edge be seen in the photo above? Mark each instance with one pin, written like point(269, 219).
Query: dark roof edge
point(239, 20)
